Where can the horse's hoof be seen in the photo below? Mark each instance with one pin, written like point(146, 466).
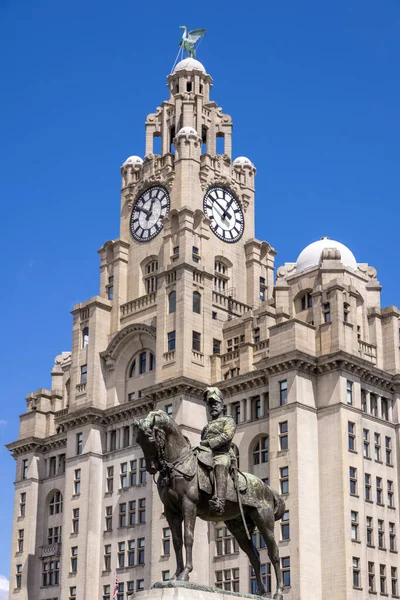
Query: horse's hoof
point(277, 596)
point(184, 576)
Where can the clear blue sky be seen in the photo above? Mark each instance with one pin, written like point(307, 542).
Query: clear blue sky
point(313, 88)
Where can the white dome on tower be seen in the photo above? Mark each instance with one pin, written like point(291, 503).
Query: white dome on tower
point(242, 161)
point(311, 255)
point(133, 160)
point(189, 64)
point(187, 132)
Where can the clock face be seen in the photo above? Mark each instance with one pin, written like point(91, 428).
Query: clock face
point(148, 212)
point(225, 214)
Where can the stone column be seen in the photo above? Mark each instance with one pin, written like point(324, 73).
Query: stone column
point(243, 415)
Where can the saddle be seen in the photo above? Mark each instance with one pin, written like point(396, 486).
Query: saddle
point(200, 464)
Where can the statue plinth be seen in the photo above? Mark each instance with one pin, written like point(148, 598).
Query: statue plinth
point(185, 590)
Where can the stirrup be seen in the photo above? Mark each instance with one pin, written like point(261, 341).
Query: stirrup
point(217, 505)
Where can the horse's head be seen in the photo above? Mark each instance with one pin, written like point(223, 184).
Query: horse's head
point(146, 431)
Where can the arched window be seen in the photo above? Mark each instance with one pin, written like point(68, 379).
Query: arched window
point(85, 337)
point(172, 302)
point(132, 371)
point(261, 451)
point(196, 302)
point(152, 365)
point(55, 503)
point(306, 301)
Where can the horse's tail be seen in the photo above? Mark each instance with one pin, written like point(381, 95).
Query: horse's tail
point(279, 505)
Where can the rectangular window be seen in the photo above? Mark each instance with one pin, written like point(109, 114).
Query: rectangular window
point(106, 592)
point(110, 288)
point(195, 254)
point(131, 553)
point(142, 471)
point(72, 593)
point(371, 577)
point(25, 468)
point(75, 520)
point(216, 346)
point(367, 479)
point(286, 570)
point(354, 525)
point(77, 482)
point(283, 435)
point(54, 535)
point(18, 576)
point(196, 341)
point(284, 480)
point(374, 405)
point(377, 443)
point(166, 541)
point(363, 401)
point(285, 526)
point(171, 341)
point(139, 585)
point(79, 443)
point(50, 573)
point(110, 479)
point(390, 493)
point(141, 549)
point(385, 409)
point(379, 491)
point(133, 472)
point(132, 512)
point(83, 373)
point(121, 591)
point(392, 537)
point(326, 312)
point(165, 575)
point(124, 475)
point(388, 450)
point(74, 559)
point(236, 412)
point(353, 480)
point(61, 464)
point(262, 288)
point(108, 526)
point(225, 543)
point(52, 466)
point(382, 578)
point(351, 428)
point(366, 443)
point(122, 514)
point(356, 572)
point(131, 396)
point(228, 580)
point(22, 504)
point(113, 440)
point(394, 583)
point(121, 555)
point(370, 531)
point(152, 365)
point(349, 392)
point(142, 510)
point(142, 362)
point(20, 541)
point(214, 315)
point(381, 534)
point(168, 409)
point(283, 393)
point(265, 576)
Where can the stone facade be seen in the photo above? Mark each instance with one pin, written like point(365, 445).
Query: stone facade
point(309, 365)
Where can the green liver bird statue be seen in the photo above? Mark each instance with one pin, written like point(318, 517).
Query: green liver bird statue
point(189, 39)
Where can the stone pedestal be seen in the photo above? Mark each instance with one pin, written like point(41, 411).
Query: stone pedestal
point(180, 590)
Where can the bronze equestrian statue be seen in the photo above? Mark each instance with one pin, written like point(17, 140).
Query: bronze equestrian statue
point(204, 482)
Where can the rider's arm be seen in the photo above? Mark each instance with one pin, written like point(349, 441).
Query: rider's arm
point(226, 436)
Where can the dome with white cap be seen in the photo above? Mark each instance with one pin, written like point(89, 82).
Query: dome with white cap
point(311, 255)
point(242, 161)
point(133, 160)
point(189, 64)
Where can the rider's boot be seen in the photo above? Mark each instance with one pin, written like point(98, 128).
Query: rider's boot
point(217, 502)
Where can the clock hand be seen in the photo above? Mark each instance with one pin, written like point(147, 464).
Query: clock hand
point(147, 212)
point(150, 211)
point(224, 214)
point(223, 210)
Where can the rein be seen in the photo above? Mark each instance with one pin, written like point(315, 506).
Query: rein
point(167, 468)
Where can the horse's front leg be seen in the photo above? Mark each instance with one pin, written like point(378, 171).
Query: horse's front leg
point(189, 510)
point(175, 525)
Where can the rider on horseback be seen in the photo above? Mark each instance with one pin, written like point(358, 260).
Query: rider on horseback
point(216, 437)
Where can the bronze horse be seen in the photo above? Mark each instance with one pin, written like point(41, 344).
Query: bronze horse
point(165, 450)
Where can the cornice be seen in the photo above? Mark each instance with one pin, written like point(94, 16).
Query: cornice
point(34, 444)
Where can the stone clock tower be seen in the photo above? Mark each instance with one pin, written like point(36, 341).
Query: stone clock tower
point(186, 261)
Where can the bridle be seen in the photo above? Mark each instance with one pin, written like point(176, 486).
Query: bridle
point(167, 469)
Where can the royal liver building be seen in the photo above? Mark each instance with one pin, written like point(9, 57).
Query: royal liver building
point(306, 357)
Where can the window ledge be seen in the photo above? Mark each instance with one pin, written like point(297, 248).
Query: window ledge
point(359, 589)
point(369, 501)
point(105, 572)
point(393, 551)
point(354, 495)
point(72, 574)
point(75, 496)
point(284, 542)
point(108, 494)
point(379, 462)
point(370, 545)
point(74, 534)
point(353, 451)
point(391, 508)
point(366, 458)
point(382, 548)
point(356, 541)
point(380, 504)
